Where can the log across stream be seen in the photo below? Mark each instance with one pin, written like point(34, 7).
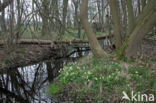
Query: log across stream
point(27, 72)
point(29, 52)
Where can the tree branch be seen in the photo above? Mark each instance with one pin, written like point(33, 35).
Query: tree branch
point(5, 4)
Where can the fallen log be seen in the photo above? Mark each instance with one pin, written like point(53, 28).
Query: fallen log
point(45, 54)
point(50, 42)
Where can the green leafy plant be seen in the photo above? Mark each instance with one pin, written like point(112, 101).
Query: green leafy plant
point(98, 79)
point(153, 37)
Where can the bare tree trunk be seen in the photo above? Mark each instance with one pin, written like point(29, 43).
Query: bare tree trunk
point(12, 23)
point(65, 6)
point(143, 24)
point(149, 7)
point(114, 6)
point(94, 44)
point(124, 21)
point(3, 25)
point(35, 23)
point(142, 28)
point(45, 15)
point(79, 29)
point(143, 4)
point(55, 13)
point(76, 19)
point(99, 10)
point(131, 19)
point(102, 11)
point(75, 2)
point(139, 9)
point(19, 17)
point(45, 26)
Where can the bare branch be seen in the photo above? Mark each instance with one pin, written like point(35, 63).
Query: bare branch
point(5, 4)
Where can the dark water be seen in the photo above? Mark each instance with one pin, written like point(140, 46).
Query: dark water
point(29, 84)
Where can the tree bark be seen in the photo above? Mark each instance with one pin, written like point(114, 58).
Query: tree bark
point(149, 7)
point(65, 7)
point(94, 44)
point(45, 15)
point(99, 11)
point(3, 25)
point(139, 9)
point(139, 32)
point(143, 4)
point(114, 6)
point(144, 23)
point(76, 19)
point(131, 19)
point(124, 21)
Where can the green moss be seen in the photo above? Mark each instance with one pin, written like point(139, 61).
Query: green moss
point(120, 54)
point(54, 89)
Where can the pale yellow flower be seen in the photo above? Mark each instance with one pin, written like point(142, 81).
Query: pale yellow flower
point(109, 76)
point(96, 78)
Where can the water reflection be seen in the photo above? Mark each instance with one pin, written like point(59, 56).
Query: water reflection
point(29, 84)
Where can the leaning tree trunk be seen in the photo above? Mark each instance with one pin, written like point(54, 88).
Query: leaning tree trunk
point(143, 23)
point(130, 27)
point(139, 32)
point(94, 44)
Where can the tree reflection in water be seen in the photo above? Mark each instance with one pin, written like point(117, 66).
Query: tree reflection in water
point(29, 84)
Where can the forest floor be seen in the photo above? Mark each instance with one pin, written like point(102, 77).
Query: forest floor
point(93, 80)
point(148, 49)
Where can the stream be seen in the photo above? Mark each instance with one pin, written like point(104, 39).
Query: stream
point(29, 84)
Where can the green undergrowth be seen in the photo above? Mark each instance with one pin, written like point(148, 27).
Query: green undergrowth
point(73, 33)
point(153, 37)
point(70, 34)
point(102, 80)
